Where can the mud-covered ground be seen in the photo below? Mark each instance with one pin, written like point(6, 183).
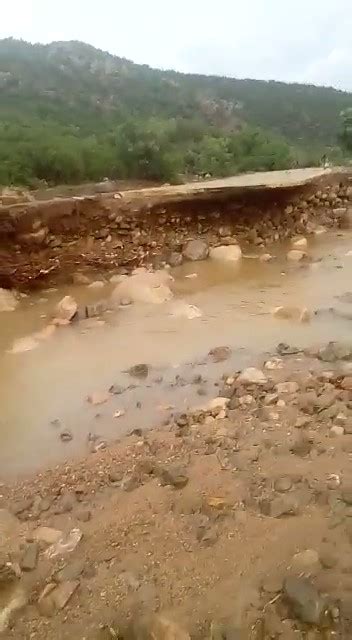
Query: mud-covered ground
point(232, 521)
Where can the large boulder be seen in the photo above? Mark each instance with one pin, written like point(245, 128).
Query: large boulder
point(144, 286)
point(196, 250)
point(226, 253)
point(66, 309)
point(8, 300)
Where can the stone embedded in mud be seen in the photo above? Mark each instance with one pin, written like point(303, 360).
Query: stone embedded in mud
point(97, 284)
point(8, 300)
point(347, 383)
point(30, 557)
point(306, 562)
point(299, 243)
point(173, 476)
point(67, 308)
point(47, 535)
point(8, 574)
point(80, 279)
point(66, 435)
point(139, 371)
point(266, 257)
point(196, 250)
point(292, 313)
point(98, 397)
point(284, 349)
point(55, 597)
point(145, 287)
point(287, 387)
point(220, 354)
point(251, 375)
point(305, 601)
point(181, 309)
point(283, 484)
point(226, 253)
point(156, 627)
point(296, 256)
point(175, 259)
point(334, 351)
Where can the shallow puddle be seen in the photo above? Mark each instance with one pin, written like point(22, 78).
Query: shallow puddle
point(44, 391)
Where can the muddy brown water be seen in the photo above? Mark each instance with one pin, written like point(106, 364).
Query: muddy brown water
point(45, 390)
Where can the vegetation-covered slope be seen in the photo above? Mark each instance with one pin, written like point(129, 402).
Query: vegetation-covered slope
point(70, 112)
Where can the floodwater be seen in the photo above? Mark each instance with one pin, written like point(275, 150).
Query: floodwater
point(44, 391)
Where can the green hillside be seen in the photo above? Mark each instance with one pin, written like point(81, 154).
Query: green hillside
point(69, 112)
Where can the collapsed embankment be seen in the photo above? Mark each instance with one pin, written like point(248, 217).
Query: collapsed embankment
point(46, 241)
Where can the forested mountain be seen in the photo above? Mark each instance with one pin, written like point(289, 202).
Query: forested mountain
point(69, 112)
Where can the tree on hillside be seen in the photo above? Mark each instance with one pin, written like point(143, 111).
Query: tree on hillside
point(346, 129)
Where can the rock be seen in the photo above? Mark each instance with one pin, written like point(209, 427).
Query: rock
point(251, 375)
point(54, 598)
point(21, 345)
point(157, 627)
point(328, 557)
point(66, 309)
point(296, 256)
point(284, 349)
point(84, 515)
point(97, 284)
point(175, 259)
point(181, 309)
point(301, 447)
point(220, 354)
point(70, 572)
point(300, 243)
point(217, 403)
point(283, 484)
point(8, 574)
point(280, 506)
point(196, 250)
point(145, 287)
point(116, 389)
point(226, 253)
point(98, 397)
point(337, 431)
point(65, 544)
point(95, 310)
point(304, 600)
point(334, 351)
point(306, 562)
point(346, 383)
point(66, 435)
point(266, 257)
point(287, 387)
point(47, 535)
point(8, 300)
point(130, 482)
point(30, 557)
point(173, 476)
point(292, 313)
point(139, 371)
point(80, 279)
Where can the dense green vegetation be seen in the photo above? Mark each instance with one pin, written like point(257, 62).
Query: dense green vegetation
point(70, 113)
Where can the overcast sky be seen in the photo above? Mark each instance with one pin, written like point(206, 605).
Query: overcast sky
point(292, 40)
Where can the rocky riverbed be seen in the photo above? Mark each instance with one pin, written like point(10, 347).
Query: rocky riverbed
point(232, 520)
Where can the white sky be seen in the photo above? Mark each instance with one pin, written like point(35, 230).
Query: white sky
point(292, 40)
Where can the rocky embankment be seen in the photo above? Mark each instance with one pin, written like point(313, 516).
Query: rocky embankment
point(48, 241)
point(231, 521)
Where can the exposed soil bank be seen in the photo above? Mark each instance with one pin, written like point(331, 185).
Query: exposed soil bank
point(233, 521)
point(45, 242)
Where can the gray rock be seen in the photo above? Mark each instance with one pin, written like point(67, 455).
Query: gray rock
point(139, 371)
point(334, 351)
point(66, 436)
point(220, 354)
point(284, 349)
point(283, 484)
point(304, 601)
point(30, 557)
point(173, 476)
point(196, 250)
point(116, 389)
point(175, 259)
point(71, 571)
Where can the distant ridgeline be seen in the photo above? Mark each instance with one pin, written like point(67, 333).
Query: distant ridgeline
point(70, 113)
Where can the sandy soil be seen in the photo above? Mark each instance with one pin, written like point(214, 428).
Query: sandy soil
point(207, 521)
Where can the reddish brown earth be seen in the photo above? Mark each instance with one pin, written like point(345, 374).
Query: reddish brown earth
point(42, 242)
point(201, 521)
